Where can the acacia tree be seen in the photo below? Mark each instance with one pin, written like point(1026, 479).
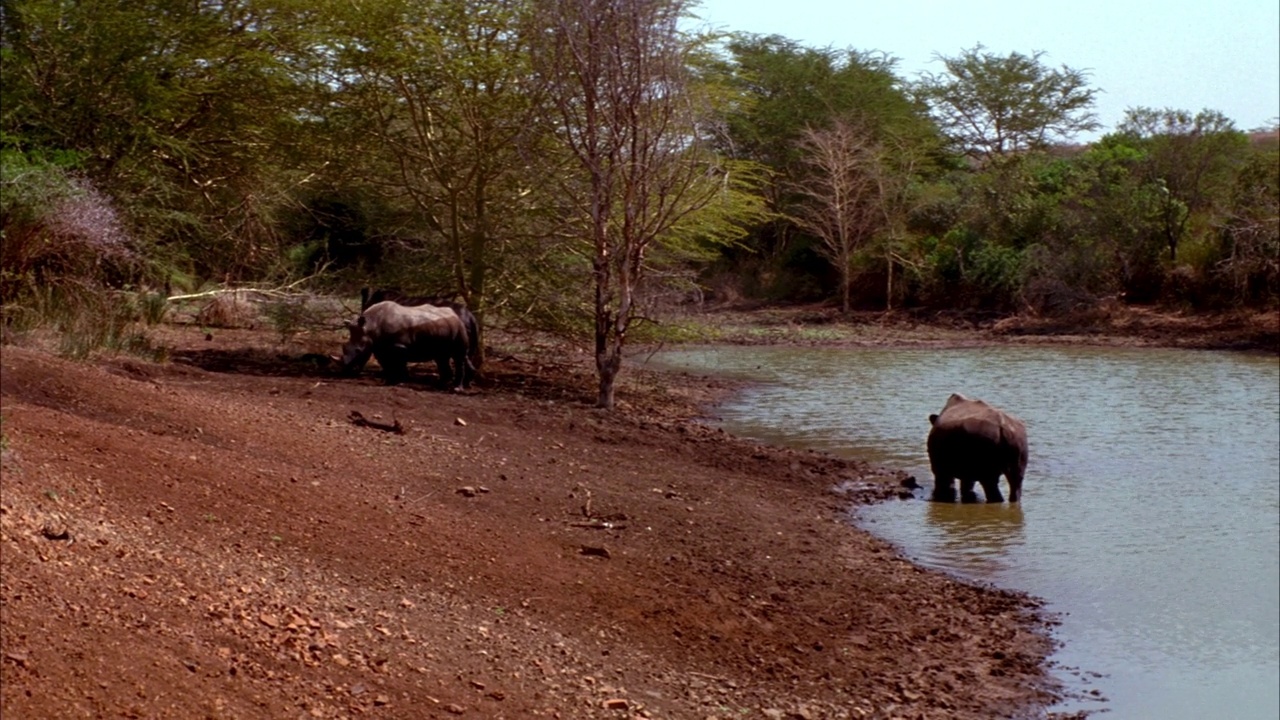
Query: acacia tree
point(991, 106)
point(617, 78)
point(443, 89)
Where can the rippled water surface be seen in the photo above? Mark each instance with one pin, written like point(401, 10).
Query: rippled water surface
point(1151, 513)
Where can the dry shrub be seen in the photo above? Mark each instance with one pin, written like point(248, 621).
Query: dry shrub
point(228, 310)
point(71, 234)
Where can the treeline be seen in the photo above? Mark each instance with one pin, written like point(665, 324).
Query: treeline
point(572, 163)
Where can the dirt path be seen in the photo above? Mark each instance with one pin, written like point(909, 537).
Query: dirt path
point(213, 537)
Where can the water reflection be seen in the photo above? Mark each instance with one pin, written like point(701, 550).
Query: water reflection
point(974, 538)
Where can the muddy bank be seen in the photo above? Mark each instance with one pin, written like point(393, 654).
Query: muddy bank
point(1115, 325)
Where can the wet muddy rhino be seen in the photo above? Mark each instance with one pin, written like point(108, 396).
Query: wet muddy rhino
point(976, 443)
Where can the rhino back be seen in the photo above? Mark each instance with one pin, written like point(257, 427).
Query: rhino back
point(972, 424)
point(390, 319)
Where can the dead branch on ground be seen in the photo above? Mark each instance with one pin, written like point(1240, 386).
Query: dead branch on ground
point(360, 420)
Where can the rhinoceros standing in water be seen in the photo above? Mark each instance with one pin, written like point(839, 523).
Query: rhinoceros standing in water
point(976, 442)
point(397, 335)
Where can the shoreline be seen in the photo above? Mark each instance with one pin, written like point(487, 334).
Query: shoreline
point(515, 553)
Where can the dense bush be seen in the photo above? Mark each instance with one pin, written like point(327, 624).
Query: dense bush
point(57, 229)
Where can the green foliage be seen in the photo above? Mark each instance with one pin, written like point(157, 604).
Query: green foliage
point(187, 115)
point(997, 271)
point(783, 90)
point(991, 106)
point(290, 316)
point(153, 307)
point(402, 143)
point(83, 319)
point(1248, 266)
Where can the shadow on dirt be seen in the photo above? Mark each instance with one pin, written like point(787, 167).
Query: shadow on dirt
point(257, 361)
point(270, 363)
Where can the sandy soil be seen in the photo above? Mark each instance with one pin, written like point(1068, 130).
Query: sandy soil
point(214, 536)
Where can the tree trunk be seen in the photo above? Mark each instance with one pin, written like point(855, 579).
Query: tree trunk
point(607, 366)
point(845, 282)
point(888, 291)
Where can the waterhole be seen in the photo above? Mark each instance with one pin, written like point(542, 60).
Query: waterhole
point(1150, 521)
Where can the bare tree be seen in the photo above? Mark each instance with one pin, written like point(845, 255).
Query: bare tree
point(843, 191)
point(617, 78)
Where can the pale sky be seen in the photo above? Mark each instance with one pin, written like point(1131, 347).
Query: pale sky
point(1181, 54)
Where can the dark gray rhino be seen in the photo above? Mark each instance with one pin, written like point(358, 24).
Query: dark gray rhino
point(976, 443)
point(398, 335)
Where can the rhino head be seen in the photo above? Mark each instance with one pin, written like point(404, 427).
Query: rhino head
point(357, 349)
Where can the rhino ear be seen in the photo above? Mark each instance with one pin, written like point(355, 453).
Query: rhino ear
point(933, 419)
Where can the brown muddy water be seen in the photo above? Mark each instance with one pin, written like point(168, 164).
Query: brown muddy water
point(1151, 516)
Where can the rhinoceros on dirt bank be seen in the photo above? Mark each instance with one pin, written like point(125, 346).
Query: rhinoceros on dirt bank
point(398, 335)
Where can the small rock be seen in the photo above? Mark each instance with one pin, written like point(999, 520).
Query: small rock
point(54, 530)
point(466, 491)
point(454, 708)
point(596, 551)
point(460, 421)
point(615, 704)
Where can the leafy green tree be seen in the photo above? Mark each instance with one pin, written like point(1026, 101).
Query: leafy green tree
point(991, 106)
point(1250, 259)
point(188, 114)
point(444, 89)
point(1192, 159)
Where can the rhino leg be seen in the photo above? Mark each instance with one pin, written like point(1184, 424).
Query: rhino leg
point(967, 495)
point(443, 369)
point(944, 489)
point(394, 366)
point(1015, 486)
point(944, 493)
point(991, 488)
